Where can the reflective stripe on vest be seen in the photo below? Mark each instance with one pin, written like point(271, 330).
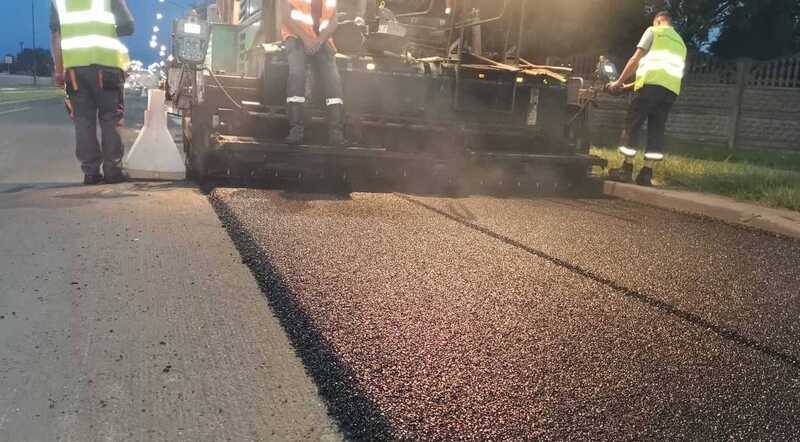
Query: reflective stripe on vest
point(89, 34)
point(301, 13)
point(665, 63)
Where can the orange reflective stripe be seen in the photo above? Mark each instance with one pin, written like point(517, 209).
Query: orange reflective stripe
point(302, 15)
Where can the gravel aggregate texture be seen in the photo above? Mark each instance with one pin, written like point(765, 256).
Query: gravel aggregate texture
point(480, 318)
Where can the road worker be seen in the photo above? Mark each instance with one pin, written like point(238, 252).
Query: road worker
point(308, 26)
point(90, 61)
point(659, 64)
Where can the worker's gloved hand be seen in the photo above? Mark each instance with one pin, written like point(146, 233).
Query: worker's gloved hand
point(58, 79)
point(359, 21)
point(313, 47)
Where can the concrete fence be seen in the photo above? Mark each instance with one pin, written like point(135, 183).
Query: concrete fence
point(738, 104)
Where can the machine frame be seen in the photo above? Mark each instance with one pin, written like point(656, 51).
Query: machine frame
point(456, 119)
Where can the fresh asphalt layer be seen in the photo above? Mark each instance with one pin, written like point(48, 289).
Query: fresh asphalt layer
point(480, 318)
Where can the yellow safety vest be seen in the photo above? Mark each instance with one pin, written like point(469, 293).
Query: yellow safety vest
point(664, 65)
point(89, 34)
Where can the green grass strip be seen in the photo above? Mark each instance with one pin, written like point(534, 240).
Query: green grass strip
point(765, 177)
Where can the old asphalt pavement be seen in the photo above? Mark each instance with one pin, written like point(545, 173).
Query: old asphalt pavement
point(156, 312)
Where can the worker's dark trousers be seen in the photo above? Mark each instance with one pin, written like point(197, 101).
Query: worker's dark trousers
point(324, 64)
point(96, 94)
point(651, 105)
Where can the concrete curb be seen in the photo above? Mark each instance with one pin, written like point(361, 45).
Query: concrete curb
point(779, 221)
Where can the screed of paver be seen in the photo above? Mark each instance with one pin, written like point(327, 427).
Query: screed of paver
point(127, 314)
point(452, 334)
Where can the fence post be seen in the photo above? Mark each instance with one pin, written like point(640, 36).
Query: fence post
point(735, 117)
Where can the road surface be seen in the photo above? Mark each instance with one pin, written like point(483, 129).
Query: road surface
point(126, 313)
point(295, 316)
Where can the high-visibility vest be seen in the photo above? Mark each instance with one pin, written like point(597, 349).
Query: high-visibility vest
point(302, 16)
point(89, 34)
point(664, 65)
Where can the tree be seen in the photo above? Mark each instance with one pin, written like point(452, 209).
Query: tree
point(760, 29)
point(615, 26)
point(694, 19)
point(39, 59)
point(570, 27)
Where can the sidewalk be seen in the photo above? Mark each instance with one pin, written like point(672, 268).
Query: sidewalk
point(126, 314)
point(778, 221)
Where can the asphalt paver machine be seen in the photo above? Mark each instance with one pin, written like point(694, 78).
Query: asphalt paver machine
point(435, 93)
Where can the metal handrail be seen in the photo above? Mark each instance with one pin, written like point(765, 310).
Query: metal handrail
point(472, 23)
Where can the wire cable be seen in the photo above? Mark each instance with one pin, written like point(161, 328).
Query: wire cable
point(222, 88)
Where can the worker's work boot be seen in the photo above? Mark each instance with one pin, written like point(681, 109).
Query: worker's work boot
point(623, 175)
point(336, 125)
point(92, 179)
point(115, 178)
point(645, 177)
point(296, 124)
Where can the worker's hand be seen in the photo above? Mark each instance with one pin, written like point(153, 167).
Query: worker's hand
point(313, 47)
point(614, 86)
point(58, 79)
point(70, 109)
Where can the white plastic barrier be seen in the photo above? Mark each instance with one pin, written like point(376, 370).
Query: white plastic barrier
point(155, 155)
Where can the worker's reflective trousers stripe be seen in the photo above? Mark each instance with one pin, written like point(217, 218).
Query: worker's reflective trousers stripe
point(653, 156)
point(325, 69)
point(302, 100)
point(651, 105)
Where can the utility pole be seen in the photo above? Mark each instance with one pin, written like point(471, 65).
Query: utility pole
point(35, 56)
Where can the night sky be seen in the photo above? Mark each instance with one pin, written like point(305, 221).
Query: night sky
point(16, 25)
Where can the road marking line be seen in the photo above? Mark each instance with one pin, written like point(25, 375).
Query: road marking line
point(15, 110)
point(8, 103)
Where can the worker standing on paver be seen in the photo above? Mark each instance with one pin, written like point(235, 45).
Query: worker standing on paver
point(308, 26)
point(90, 61)
point(659, 64)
